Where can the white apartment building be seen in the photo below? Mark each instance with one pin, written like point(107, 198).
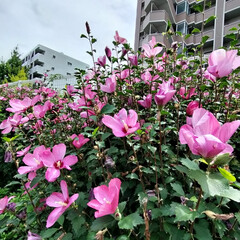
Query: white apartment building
point(46, 60)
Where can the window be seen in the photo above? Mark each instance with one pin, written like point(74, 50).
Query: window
point(52, 68)
point(69, 74)
point(53, 56)
point(182, 7)
point(182, 27)
point(69, 64)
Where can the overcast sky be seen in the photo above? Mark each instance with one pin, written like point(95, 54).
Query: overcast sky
point(58, 24)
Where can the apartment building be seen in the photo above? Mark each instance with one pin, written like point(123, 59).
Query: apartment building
point(153, 16)
point(46, 60)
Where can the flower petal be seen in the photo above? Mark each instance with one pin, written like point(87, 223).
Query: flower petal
point(59, 151)
point(54, 215)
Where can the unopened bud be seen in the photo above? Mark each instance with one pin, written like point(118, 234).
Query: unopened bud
point(87, 28)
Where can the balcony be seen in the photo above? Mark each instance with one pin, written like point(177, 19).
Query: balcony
point(155, 17)
point(229, 26)
point(231, 5)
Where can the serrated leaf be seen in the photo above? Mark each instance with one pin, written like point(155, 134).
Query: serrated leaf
point(227, 175)
point(204, 39)
point(178, 189)
point(183, 213)
point(61, 220)
point(48, 233)
point(202, 230)
point(77, 224)
point(107, 109)
point(130, 221)
point(233, 29)
point(68, 236)
point(237, 215)
point(189, 164)
point(102, 222)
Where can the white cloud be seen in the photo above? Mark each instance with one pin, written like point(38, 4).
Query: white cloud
point(59, 24)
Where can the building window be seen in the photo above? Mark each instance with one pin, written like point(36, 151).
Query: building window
point(69, 74)
point(69, 64)
point(182, 7)
point(54, 56)
point(182, 27)
point(53, 68)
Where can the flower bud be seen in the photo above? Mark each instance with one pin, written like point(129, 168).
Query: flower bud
point(87, 28)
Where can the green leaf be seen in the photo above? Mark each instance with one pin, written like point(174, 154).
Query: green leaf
point(227, 175)
point(107, 109)
point(68, 236)
point(204, 39)
point(48, 233)
point(130, 221)
point(188, 36)
point(121, 206)
point(35, 181)
point(210, 19)
point(132, 176)
point(95, 131)
point(237, 215)
point(233, 29)
point(202, 230)
point(93, 40)
point(77, 225)
point(123, 237)
point(178, 189)
point(189, 164)
point(61, 220)
point(102, 222)
point(183, 213)
point(152, 149)
point(231, 36)
point(222, 159)
point(106, 135)
point(196, 30)
point(83, 36)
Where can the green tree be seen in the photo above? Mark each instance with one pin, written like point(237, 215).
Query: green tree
point(22, 75)
point(12, 68)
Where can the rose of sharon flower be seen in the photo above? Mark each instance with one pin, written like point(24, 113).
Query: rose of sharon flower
point(122, 124)
point(146, 102)
point(55, 161)
point(205, 136)
point(106, 198)
point(4, 202)
point(191, 107)
point(61, 202)
point(32, 160)
point(33, 236)
point(222, 62)
point(119, 39)
point(110, 85)
point(78, 140)
point(165, 94)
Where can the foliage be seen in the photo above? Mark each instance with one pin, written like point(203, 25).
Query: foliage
point(110, 123)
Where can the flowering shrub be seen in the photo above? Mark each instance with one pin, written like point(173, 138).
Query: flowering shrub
point(106, 155)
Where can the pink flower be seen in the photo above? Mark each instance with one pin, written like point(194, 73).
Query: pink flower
point(150, 50)
point(4, 202)
point(79, 140)
point(61, 202)
point(165, 94)
point(186, 95)
point(107, 198)
point(33, 236)
point(146, 102)
point(133, 60)
point(108, 53)
point(55, 161)
point(89, 94)
point(31, 176)
point(33, 161)
point(11, 122)
point(102, 61)
point(205, 136)
point(71, 90)
point(191, 107)
point(122, 124)
point(110, 85)
point(23, 152)
point(39, 111)
point(19, 106)
point(221, 62)
point(119, 39)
